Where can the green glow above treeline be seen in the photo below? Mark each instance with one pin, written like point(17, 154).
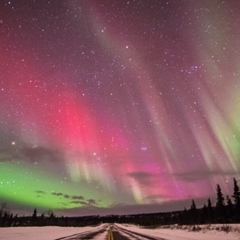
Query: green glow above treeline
point(26, 184)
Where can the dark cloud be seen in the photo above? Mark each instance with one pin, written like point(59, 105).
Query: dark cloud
point(5, 159)
point(92, 202)
point(156, 198)
point(144, 178)
point(66, 196)
point(38, 154)
point(57, 194)
point(40, 192)
point(31, 154)
point(61, 195)
point(89, 202)
point(79, 202)
point(193, 176)
point(138, 175)
point(77, 197)
point(6, 155)
point(114, 205)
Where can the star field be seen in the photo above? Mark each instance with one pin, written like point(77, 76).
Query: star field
point(118, 106)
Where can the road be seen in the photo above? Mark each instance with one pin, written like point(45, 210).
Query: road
point(110, 232)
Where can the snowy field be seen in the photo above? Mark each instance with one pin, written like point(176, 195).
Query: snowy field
point(43, 233)
point(204, 232)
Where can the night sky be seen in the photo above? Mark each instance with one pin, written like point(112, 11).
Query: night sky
point(116, 106)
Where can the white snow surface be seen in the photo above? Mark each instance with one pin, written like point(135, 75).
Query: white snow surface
point(213, 232)
point(43, 233)
point(204, 232)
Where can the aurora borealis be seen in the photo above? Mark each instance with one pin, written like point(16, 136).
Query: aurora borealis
point(116, 106)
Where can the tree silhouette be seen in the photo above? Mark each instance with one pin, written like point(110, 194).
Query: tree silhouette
point(3, 209)
point(236, 194)
point(210, 212)
point(220, 198)
point(209, 204)
point(204, 214)
point(34, 213)
point(34, 220)
point(193, 213)
point(229, 202)
point(229, 212)
point(193, 206)
point(220, 205)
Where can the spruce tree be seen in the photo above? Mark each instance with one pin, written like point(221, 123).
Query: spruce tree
point(204, 215)
point(34, 218)
point(229, 212)
point(193, 213)
point(220, 198)
point(209, 204)
point(220, 206)
point(210, 212)
point(229, 202)
point(236, 193)
point(34, 213)
point(193, 206)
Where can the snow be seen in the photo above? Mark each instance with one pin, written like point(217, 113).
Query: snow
point(213, 232)
point(44, 233)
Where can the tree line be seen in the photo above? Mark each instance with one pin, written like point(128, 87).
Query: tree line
point(225, 210)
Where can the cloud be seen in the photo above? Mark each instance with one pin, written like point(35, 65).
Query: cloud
point(6, 155)
point(57, 194)
point(114, 205)
point(156, 198)
point(89, 202)
point(138, 175)
point(31, 154)
point(79, 202)
point(40, 192)
point(144, 178)
point(77, 197)
point(38, 154)
point(92, 202)
point(202, 175)
point(62, 195)
point(5, 159)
